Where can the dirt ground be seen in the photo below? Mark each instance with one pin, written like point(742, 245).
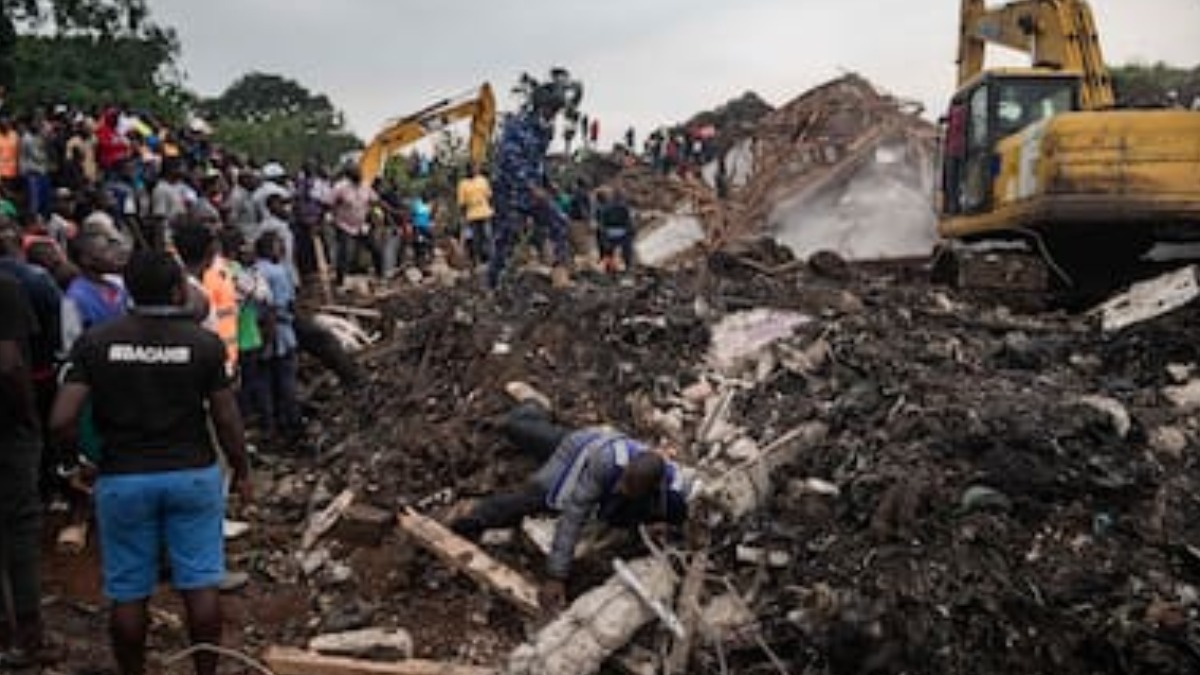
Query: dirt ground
point(986, 518)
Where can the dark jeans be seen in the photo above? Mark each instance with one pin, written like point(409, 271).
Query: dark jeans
point(347, 252)
point(479, 240)
point(254, 397)
point(21, 529)
point(610, 242)
point(285, 410)
point(38, 194)
point(530, 428)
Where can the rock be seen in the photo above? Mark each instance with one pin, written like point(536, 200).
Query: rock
point(313, 561)
point(1021, 352)
point(413, 276)
point(339, 573)
point(758, 556)
point(743, 450)
point(341, 616)
point(668, 423)
point(364, 525)
point(1185, 397)
point(725, 615)
point(849, 303)
point(523, 391)
point(291, 491)
point(1168, 616)
point(235, 529)
point(1114, 409)
point(829, 265)
point(808, 360)
point(814, 486)
point(1169, 441)
point(983, 498)
point(1180, 372)
point(698, 393)
point(391, 644)
point(498, 538)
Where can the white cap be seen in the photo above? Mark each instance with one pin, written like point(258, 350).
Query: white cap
point(273, 171)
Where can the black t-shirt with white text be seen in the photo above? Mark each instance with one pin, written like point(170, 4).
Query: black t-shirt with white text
point(150, 375)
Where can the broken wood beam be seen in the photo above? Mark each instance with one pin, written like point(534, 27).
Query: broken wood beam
point(469, 559)
point(320, 524)
point(290, 661)
point(688, 608)
point(597, 625)
point(357, 312)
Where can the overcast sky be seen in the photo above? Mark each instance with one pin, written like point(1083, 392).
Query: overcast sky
point(644, 62)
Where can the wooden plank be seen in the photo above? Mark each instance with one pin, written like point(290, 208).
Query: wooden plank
point(469, 559)
point(357, 312)
point(290, 661)
point(689, 611)
point(322, 267)
point(323, 522)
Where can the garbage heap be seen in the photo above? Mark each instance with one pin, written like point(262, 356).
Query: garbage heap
point(894, 479)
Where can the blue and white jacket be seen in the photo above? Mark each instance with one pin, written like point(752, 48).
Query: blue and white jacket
point(580, 481)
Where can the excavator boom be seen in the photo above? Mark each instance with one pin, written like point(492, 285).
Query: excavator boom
point(1059, 35)
point(480, 108)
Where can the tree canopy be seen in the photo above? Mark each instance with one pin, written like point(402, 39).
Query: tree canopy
point(1141, 85)
point(270, 117)
point(87, 53)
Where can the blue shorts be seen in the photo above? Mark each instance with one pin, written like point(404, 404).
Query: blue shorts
point(139, 513)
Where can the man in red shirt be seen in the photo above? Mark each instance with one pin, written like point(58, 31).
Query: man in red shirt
point(111, 146)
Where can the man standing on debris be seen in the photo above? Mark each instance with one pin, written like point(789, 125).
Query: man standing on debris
point(351, 202)
point(615, 230)
point(599, 471)
point(520, 173)
point(475, 200)
point(157, 380)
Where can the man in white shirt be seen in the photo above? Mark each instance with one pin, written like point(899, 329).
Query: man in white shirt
point(167, 204)
point(351, 202)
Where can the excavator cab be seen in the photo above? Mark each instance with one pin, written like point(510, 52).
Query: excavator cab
point(994, 107)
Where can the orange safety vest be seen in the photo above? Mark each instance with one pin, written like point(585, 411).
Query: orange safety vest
point(218, 283)
point(10, 155)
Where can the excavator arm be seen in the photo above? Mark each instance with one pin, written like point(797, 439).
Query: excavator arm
point(1058, 34)
point(480, 108)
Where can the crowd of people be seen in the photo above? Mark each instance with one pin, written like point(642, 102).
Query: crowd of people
point(149, 329)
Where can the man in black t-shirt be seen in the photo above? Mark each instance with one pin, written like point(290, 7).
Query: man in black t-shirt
point(154, 378)
point(20, 504)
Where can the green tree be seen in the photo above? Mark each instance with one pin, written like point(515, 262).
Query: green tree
point(268, 116)
point(1141, 85)
point(88, 53)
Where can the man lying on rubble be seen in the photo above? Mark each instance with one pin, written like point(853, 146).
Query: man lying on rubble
point(590, 472)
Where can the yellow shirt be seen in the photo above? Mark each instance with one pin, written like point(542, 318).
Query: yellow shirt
point(475, 196)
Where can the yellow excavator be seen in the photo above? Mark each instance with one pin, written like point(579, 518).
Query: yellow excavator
point(479, 107)
point(1040, 160)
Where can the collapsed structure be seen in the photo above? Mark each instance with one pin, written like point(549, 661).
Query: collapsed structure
point(895, 479)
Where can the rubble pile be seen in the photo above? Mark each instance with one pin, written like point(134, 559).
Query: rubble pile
point(841, 168)
point(894, 479)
